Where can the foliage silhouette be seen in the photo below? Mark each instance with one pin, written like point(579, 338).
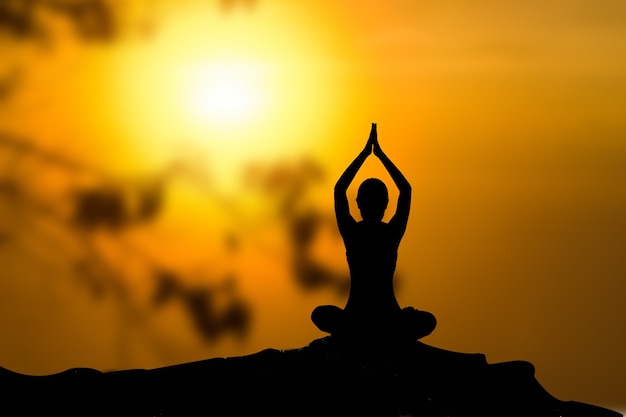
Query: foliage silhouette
point(111, 206)
point(287, 186)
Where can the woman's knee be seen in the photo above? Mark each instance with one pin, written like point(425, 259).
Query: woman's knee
point(422, 323)
point(327, 318)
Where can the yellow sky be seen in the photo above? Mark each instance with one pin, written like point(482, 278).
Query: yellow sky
point(507, 118)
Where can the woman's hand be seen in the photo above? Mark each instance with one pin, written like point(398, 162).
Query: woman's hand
point(375, 145)
point(373, 138)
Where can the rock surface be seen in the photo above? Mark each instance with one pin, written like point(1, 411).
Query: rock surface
point(324, 378)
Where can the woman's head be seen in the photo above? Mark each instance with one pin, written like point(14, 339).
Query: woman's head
point(372, 199)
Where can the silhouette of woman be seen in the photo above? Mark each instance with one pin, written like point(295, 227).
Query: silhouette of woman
point(372, 311)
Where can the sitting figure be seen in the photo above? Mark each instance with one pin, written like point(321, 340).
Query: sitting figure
point(372, 312)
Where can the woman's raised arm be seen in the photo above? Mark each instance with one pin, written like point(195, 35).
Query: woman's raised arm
point(401, 217)
point(342, 210)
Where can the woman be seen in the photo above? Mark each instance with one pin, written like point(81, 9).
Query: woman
point(372, 311)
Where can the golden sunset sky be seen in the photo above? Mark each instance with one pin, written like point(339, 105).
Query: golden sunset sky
point(506, 117)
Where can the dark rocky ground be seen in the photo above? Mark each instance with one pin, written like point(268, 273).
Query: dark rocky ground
point(325, 378)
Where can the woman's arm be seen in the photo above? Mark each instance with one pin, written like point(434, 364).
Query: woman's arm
point(401, 217)
point(342, 210)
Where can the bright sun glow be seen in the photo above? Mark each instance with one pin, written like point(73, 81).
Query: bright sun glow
point(243, 86)
point(224, 91)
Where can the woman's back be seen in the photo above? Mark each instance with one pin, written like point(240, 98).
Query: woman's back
point(371, 252)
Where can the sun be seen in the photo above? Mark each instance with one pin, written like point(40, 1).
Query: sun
point(242, 87)
point(226, 91)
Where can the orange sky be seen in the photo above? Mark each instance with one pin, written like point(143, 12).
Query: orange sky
point(506, 118)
